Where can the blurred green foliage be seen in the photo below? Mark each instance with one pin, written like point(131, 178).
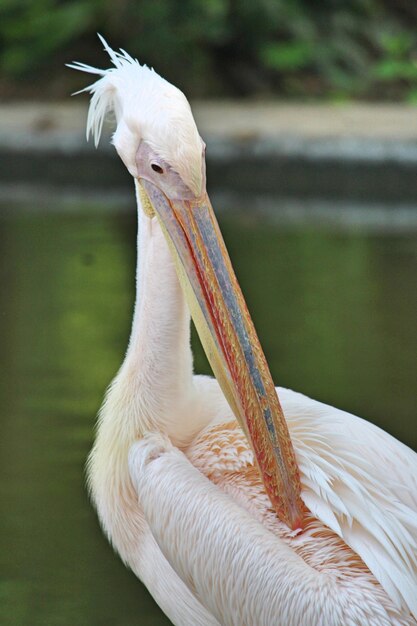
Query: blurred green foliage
point(293, 48)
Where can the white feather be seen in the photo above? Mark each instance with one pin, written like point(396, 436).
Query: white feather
point(351, 479)
point(147, 108)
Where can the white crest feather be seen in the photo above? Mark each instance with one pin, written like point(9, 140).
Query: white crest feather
point(146, 107)
point(102, 91)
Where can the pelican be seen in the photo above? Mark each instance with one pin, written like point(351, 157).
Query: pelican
point(229, 512)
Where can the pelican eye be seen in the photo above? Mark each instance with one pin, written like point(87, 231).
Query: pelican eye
point(157, 168)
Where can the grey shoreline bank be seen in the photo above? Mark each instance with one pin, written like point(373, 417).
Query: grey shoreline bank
point(361, 152)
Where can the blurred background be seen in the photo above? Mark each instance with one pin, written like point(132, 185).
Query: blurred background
point(308, 112)
point(290, 48)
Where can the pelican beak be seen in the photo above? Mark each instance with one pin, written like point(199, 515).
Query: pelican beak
point(229, 339)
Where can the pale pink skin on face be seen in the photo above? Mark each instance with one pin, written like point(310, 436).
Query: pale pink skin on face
point(184, 506)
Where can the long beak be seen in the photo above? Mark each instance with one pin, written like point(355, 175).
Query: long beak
point(229, 339)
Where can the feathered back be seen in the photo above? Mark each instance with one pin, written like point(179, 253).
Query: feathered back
point(148, 108)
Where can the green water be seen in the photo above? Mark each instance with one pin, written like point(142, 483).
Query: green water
point(335, 312)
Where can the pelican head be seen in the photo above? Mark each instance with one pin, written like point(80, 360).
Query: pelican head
point(157, 139)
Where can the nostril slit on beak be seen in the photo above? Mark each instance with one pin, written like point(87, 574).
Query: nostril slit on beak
point(157, 168)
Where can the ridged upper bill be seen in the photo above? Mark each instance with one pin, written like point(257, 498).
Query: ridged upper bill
point(230, 341)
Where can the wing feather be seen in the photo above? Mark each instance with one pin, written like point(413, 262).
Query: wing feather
point(361, 483)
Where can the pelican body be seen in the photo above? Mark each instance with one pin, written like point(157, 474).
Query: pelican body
point(231, 506)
